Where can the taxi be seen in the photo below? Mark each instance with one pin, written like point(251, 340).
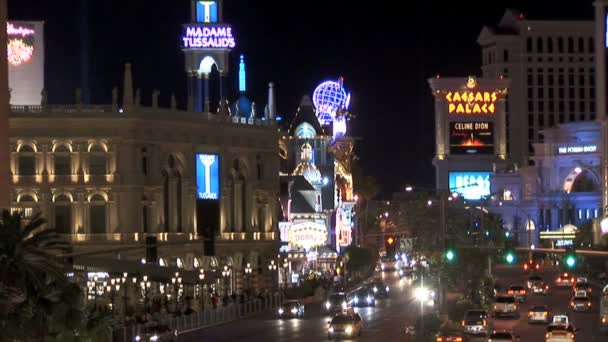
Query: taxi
point(505, 306)
point(346, 324)
point(560, 333)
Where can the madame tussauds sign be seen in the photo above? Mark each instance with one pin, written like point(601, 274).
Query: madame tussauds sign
point(214, 37)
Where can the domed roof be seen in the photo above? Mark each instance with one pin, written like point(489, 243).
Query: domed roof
point(309, 171)
point(306, 168)
point(241, 107)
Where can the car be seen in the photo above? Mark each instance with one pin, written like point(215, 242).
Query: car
point(406, 272)
point(379, 289)
point(502, 336)
point(336, 302)
point(346, 324)
point(362, 297)
point(581, 302)
point(519, 292)
point(533, 280)
point(291, 309)
point(564, 280)
point(388, 263)
point(539, 314)
point(561, 318)
point(505, 305)
point(580, 286)
point(156, 333)
point(560, 333)
point(476, 322)
point(531, 265)
point(451, 336)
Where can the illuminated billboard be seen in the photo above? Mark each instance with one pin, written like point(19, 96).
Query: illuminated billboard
point(207, 176)
point(206, 11)
point(471, 138)
point(25, 52)
point(307, 234)
point(205, 36)
point(472, 185)
point(471, 102)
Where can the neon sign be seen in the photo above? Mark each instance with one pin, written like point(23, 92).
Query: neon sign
point(577, 149)
point(307, 234)
point(215, 37)
point(471, 185)
point(207, 176)
point(472, 102)
point(19, 31)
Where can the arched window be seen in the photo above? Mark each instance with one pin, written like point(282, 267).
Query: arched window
point(63, 161)
point(585, 182)
point(97, 214)
point(27, 161)
point(63, 214)
point(98, 160)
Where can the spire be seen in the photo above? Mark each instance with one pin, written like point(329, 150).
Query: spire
point(127, 88)
point(272, 106)
point(305, 102)
point(242, 76)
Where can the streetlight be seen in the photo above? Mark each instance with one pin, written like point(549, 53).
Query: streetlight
point(177, 284)
point(248, 271)
point(225, 276)
point(285, 274)
point(272, 267)
point(201, 277)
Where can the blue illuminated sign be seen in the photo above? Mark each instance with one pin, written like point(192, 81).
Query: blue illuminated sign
point(471, 185)
point(207, 176)
point(242, 79)
point(207, 36)
point(206, 11)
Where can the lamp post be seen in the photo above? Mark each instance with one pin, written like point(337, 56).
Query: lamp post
point(177, 284)
point(285, 274)
point(248, 271)
point(272, 267)
point(201, 277)
point(145, 286)
point(225, 276)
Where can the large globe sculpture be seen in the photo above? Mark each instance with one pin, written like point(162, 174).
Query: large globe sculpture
point(328, 98)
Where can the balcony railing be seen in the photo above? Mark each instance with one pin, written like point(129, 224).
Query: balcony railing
point(248, 236)
point(131, 237)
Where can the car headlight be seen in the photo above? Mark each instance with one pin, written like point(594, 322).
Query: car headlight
point(331, 330)
point(375, 289)
point(280, 311)
point(154, 338)
point(327, 305)
point(369, 299)
point(349, 330)
point(400, 273)
point(387, 289)
point(137, 338)
point(294, 310)
point(356, 299)
point(344, 305)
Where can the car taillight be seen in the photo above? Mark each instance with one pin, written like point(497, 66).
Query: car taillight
point(546, 335)
point(485, 322)
point(559, 280)
point(439, 339)
point(510, 292)
point(572, 280)
point(525, 267)
point(537, 266)
point(523, 292)
point(571, 303)
point(530, 313)
point(603, 319)
point(588, 303)
point(463, 323)
point(458, 339)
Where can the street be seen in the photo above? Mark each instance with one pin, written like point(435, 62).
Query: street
point(387, 321)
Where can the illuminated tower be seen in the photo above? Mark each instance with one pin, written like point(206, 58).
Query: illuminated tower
point(470, 133)
point(4, 109)
point(206, 41)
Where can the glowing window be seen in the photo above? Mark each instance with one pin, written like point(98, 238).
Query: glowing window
point(305, 131)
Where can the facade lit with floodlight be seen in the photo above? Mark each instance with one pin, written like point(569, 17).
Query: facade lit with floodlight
point(200, 184)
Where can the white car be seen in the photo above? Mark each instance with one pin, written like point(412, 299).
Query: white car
point(560, 333)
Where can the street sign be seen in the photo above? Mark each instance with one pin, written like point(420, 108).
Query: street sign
point(406, 244)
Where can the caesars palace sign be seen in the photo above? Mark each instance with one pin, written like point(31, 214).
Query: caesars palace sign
point(471, 102)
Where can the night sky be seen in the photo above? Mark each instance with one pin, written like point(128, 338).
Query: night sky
point(384, 53)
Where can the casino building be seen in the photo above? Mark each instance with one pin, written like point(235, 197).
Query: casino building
point(198, 186)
